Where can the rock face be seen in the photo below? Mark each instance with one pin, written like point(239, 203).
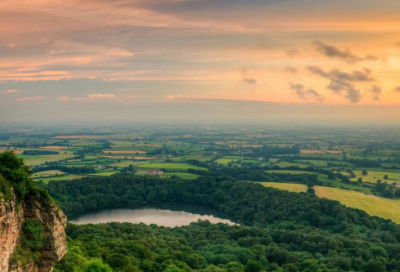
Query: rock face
point(11, 221)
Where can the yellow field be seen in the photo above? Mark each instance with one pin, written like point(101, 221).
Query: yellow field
point(15, 151)
point(54, 147)
point(382, 207)
point(49, 173)
point(297, 188)
point(312, 152)
point(374, 176)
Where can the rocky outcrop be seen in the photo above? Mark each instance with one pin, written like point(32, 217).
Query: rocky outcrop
point(11, 222)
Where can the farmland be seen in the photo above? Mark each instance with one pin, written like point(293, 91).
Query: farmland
point(334, 159)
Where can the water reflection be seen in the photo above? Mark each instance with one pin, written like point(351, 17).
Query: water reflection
point(163, 214)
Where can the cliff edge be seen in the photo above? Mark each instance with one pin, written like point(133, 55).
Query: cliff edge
point(32, 227)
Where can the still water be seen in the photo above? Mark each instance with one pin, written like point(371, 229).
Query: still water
point(162, 214)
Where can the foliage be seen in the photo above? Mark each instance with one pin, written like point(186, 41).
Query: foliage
point(33, 235)
point(39, 152)
point(5, 189)
point(31, 241)
point(17, 176)
point(290, 231)
point(96, 266)
point(23, 256)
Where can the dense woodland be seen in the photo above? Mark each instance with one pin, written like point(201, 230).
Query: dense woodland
point(279, 230)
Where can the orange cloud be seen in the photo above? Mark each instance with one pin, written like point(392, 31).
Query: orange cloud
point(63, 98)
point(10, 91)
point(182, 97)
point(95, 96)
point(29, 98)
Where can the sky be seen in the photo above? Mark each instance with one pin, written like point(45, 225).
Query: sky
point(129, 60)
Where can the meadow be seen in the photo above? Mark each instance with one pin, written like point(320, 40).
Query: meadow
point(180, 175)
point(49, 173)
point(33, 160)
point(385, 208)
point(290, 164)
point(228, 159)
point(374, 176)
point(58, 178)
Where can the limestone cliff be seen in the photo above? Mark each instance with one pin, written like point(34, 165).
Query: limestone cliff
point(12, 219)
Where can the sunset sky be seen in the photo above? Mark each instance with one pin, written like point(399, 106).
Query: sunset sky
point(166, 59)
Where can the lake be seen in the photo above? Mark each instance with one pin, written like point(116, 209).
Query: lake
point(162, 214)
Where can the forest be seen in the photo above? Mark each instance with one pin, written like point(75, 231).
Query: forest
point(278, 229)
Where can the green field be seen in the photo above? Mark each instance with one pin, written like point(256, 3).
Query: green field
point(382, 207)
point(199, 157)
point(323, 177)
point(171, 166)
point(318, 163)
point(374, 176)
point(49, 173)
point(291, 164)
point(180, 175)
point(297, 188)
point(64, 177)
point(228, 159)
point(105, 173)
point(41, 159)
